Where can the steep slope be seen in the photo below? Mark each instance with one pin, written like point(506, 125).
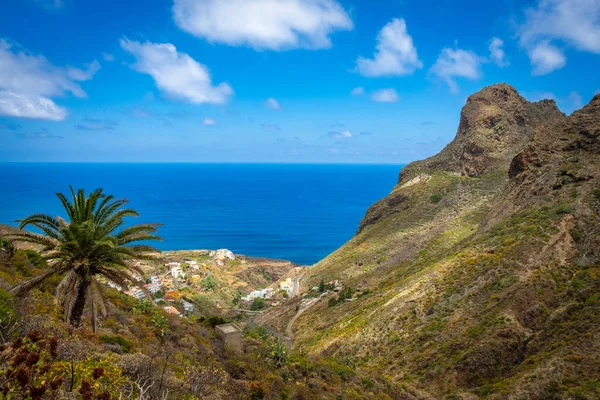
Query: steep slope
point(481, 265)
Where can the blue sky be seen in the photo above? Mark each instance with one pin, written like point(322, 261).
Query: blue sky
point(337, 81)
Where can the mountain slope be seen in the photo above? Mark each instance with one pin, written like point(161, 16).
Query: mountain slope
point(482, 264)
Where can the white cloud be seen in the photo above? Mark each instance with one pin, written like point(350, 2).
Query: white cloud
point(84, 75)
point(209, 122)
point(263, 24)
point(546, 58)
point(497, 55)
point(359, 91)
point(385, 96)
point(272, 104)
point(28, 82)
point(176, 74)
point(395, 55)
point(457, 63)
point(28, 106)
point(108, 57)
point(340, 135)
point(572, 22)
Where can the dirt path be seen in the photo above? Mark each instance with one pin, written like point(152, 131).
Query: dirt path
point(288, 330)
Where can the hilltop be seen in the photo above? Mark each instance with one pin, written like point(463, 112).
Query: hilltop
point(479, 274)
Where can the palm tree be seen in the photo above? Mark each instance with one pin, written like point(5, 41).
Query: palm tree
point(93, 243)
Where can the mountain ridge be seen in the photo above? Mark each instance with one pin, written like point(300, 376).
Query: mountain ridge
point(475, 257)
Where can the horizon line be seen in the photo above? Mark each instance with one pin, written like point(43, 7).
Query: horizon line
point(207, 162)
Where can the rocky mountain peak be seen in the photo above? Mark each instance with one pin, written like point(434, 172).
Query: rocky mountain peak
point(495, 124)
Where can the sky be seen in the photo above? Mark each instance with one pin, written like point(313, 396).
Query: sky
point(293, 81)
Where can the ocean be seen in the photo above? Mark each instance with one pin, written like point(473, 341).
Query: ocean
point(300, 213)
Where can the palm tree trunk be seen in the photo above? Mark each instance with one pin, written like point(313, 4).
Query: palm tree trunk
point(79, 303)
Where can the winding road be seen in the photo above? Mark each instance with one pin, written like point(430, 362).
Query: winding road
point(288, 330)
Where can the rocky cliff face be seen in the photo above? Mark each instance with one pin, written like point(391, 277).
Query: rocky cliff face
point(495, 125)
point(482, 265)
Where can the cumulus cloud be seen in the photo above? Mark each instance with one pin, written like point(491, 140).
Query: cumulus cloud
point(571, 22)
point(457, 63)
point(176, 74)
point(340, 135)
point(263, 24)
point(30, 106)
point(93, 124)
point(395, 55)
point(209, 122)
point(28, 82)
point(272, 104)
point(359, 91)
point(497, 55)
point(385, 96)
point(270, 127)
point(546, 58)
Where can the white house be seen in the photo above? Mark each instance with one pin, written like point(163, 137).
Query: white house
point(176, 272)
point(188, 306)
point(114, 285)
point(264, 293)
point(154, 279)
point(154, 287)
point(193, 264)
point(222, 254)
point(137, 293)
point(287, 285)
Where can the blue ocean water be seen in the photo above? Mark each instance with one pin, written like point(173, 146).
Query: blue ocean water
point(295, 212)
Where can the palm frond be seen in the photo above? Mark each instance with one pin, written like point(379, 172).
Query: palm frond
point(29, 284)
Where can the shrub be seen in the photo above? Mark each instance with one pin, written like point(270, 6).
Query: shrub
point(564, 209)
point(144, 306)
point(34, 258)
point(125, 344)
point(436, 198)
point(258, 304)
point(208, 283)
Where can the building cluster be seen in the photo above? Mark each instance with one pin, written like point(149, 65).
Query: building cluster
point(262, 294)
point(287, 286)
point(158, 283)
point(221, 256)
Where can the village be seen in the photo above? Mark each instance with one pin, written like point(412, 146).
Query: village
point(170, 284)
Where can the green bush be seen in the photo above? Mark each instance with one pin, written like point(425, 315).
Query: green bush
point(436, 198)
point(34, 258)
point(144, 306)
point(125, 344)
point(208, 283)
point(565, 209)
point(258, 304)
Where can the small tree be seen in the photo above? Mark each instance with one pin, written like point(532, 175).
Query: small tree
point(258, 304)
point(322, 286)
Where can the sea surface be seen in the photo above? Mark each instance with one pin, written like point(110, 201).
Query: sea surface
point(300, 213)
